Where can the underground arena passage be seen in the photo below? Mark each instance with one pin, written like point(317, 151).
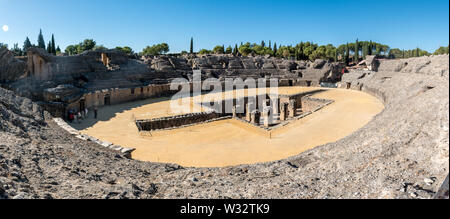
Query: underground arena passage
point(299, 119)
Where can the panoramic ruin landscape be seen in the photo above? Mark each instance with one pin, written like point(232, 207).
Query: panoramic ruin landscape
point(363, 122)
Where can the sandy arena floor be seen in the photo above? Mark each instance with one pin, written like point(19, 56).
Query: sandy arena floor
point(231, 142)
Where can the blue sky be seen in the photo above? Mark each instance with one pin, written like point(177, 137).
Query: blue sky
point(404, 24)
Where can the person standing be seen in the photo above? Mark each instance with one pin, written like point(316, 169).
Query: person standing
point(86, 113)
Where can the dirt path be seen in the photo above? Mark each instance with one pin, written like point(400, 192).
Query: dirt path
point(230, 142)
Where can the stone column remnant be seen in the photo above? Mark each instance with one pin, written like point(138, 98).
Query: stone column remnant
point(248, 112)
point(291, 108)
point(266, 116)
point(255, 117)
point(284, 111)
point(234, 111)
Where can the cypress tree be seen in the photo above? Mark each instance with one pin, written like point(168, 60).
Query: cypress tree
point(270, 44)
point(41, 42)
point(335, 55)
point(365, 50)
point(347, 54)
point(49, 47)
point(58, 50)
point(263, 44)
point(275, 49)
point(26, 45)
point(418, 52)
point(53, 45)
point(356, 56)
point(236, 50)
point(191, 50)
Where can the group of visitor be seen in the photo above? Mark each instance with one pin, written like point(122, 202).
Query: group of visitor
point(78, 117)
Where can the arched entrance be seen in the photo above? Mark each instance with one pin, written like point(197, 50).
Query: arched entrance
point(107, 100)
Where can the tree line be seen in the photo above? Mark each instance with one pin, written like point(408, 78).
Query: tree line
point(349, 52)
point(21, 51)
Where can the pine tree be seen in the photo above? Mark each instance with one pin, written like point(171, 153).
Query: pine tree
point(41, 42)
point(53, 45)
point(26, 45)
point(356, 56)
point(191, 50)
point(58, 50)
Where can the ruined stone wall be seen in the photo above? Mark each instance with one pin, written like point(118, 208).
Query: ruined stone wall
point(119, 95)
point(311, 104)
point(176, 121)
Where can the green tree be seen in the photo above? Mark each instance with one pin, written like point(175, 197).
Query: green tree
point(127, 50)
point(53, 50)
point(27, 44)
point(229, 50)
point(58, 50)
point(245, 49)
point(356, 54)
point(87, 44)
point(275, 49)
point(72, 49)
point(41, 41)
point(49, 47)
point(347, 54)
point(191, 50)
point(236, 50)
point(218, 50)
point(442, 50)
point(204, 52)
point(157, 49)
point(3, 45)
point(16, 50)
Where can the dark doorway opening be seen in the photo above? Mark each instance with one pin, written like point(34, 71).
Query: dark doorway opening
point(308, 83)
point(291, 83)
point(82, 105)
point(107, 100)
point(349, 85)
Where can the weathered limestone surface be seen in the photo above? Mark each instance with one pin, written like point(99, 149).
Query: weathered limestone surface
point(10, 68)
point(433, 65)
point(402, 153)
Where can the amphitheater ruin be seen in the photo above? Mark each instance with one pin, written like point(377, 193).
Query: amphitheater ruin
point(304, 131)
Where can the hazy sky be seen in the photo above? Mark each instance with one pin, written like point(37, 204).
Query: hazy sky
point(405, 24)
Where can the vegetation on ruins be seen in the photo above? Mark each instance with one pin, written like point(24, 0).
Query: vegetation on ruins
point(157, 49)
point(219, 50)
point(86, 45)
point(126, 49)
point(441, 50)
point(302, 51)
